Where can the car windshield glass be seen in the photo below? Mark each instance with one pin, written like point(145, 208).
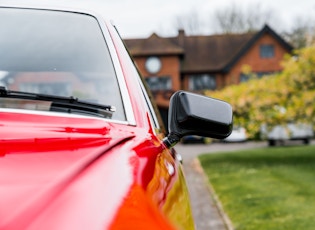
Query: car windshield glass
point(57, 53)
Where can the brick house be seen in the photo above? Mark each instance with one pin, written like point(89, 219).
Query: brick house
point(197, 63)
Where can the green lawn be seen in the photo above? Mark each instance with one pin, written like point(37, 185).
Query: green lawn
point(268, 188)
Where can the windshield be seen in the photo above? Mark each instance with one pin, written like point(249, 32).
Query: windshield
point(57, 53)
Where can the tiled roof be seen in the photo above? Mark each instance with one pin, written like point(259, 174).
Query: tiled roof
point(211, 53)
point(154, 45)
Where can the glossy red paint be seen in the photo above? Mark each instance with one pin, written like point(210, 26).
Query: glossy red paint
point(54, 169)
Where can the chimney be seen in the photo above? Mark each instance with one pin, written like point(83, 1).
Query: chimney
point(181, 37)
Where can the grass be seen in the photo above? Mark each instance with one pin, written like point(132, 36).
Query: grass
point(268, 188)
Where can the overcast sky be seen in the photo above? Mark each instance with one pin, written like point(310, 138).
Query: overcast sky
point(140, 18)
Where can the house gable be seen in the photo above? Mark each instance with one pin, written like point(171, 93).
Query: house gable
point(250, 56)
point(266, 30)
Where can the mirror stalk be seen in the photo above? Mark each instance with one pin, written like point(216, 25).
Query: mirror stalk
point(171, 140)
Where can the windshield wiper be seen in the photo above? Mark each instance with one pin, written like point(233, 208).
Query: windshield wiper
point(63, 104)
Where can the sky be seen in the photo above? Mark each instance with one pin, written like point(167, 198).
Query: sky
point(141, 18)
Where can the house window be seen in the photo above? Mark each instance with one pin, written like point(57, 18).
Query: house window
point(265, 74)
point(246, 77)
point(267, 51)
point(202, 82)
point(159, 83)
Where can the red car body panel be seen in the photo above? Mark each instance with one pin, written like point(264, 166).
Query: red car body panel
point(68, 172)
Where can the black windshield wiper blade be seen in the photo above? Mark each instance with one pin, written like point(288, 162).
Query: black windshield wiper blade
point(63, 104)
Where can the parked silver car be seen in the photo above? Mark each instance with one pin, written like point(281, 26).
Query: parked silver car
point(238, 135)
point(291, 131)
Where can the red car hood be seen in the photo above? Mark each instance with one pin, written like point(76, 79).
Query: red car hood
point(60, 172)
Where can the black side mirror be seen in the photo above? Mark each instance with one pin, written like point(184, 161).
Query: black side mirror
point(193, 114)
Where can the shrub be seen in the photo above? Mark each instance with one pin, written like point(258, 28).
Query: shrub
point(275, 99)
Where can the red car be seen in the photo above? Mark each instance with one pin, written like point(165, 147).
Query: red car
point(80, 143)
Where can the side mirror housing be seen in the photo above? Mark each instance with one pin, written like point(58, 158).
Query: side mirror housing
point(194, 114)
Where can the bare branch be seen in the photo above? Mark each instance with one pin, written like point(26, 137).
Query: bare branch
point(190, 22)
point(234, 19)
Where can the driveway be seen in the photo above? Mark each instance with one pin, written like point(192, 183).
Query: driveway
point(207, 212)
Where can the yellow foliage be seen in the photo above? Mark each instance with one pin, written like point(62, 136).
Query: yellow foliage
point(277, 99)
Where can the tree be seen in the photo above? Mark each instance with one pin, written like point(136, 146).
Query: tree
point(191, 22)
point(234, 19)
point(302, 33)
point(263, 101)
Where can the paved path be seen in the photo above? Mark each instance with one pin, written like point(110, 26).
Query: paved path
point(207, 215)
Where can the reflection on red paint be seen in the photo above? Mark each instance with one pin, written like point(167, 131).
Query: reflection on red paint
point(139, 212)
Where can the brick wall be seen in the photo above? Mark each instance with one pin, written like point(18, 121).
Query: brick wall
point(258, 64)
